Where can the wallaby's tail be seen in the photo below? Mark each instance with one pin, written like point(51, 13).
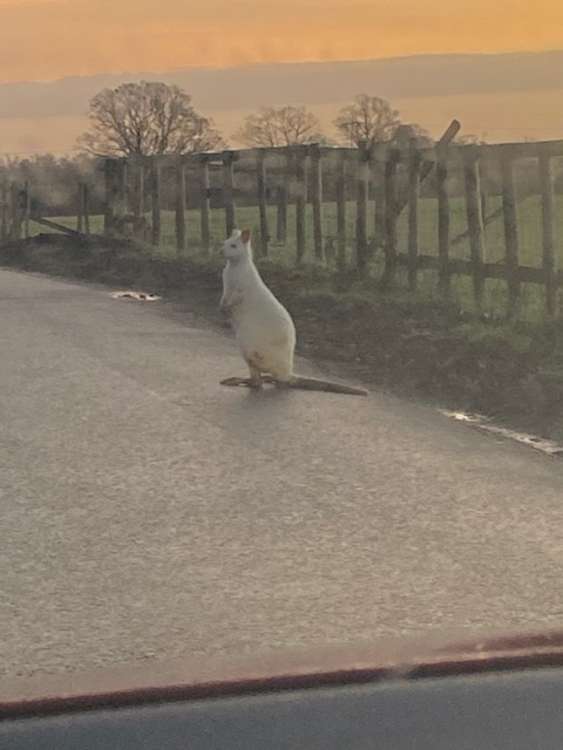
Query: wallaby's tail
point(305, 384)
point(312, 384)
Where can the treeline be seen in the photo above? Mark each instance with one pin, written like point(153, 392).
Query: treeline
point(144, 119)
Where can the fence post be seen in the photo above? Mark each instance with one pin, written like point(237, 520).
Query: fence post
point(510, 232)
point(475, 226)
point(283, 190)
point(228, 191)
point(391, 215)
point(300, 155)
point(281, 215)
point(27, 209)
point(443, 219)
point(362, 206)
point(317, 200)
point(4, 218)
point(548, 230)
point(484, 185)
point(262, 207)
point(80, 215)
point(155, 201)
point(110, 195)
point(415, 160)
point(139, 209)
point(16, 232)
point(180, 169)
point(379, 195)
point(86, 207)
point(123, 187)
point(341, 211)
point(204, 204)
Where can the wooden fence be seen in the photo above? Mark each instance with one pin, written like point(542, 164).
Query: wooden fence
point(393, 174)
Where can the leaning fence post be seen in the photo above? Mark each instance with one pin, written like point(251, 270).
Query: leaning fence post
point(428, 166)
point(548, 231)
point(443, 219)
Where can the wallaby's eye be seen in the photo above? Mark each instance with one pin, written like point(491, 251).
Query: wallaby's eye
point(234, 246)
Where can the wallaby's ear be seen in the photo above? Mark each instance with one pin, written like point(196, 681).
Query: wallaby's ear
point(235, 234)
point(245, 236)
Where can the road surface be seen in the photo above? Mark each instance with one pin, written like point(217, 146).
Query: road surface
point(146, 512)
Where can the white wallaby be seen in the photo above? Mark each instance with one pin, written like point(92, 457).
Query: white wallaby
point(263, 327)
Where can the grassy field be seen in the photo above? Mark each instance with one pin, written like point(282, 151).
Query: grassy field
point(530, 237)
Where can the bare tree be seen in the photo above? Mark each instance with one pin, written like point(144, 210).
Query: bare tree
point(280, 126)
point(368, 120)
point(144, 119)
point(407, 132)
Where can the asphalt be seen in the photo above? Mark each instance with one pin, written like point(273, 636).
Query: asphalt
point(146, 512)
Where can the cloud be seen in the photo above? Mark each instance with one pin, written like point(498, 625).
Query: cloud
point(29, 4)
point(47, 39)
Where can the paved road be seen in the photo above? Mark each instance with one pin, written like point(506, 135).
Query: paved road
point(148, 512)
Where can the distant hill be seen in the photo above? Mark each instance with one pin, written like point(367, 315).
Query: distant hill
point(424, 84)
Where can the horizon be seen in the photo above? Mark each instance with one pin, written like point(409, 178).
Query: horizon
point(278, 63)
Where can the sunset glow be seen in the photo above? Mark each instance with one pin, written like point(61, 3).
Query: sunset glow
point(77, 40)
point(48, 39)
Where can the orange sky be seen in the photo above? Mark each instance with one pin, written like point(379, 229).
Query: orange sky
point(48, 39)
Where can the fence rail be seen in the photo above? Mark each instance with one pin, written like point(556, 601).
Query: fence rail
point(389, 176)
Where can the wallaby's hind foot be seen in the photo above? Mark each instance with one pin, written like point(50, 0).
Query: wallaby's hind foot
point(246, 382)
point(234, 381)
point(283, 385)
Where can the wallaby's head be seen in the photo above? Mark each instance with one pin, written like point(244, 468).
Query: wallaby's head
point(238, 245)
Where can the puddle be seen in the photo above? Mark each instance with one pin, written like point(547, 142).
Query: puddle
point(484, 423)
point(140, 296)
